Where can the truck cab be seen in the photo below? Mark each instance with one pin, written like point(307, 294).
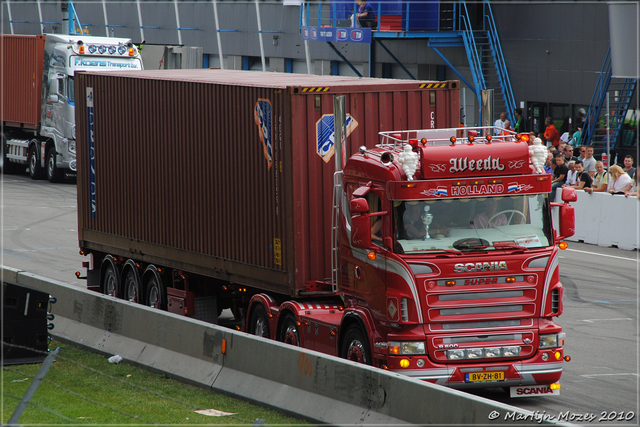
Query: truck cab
point(452, 263)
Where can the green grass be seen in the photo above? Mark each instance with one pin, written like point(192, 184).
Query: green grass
point(83, 387)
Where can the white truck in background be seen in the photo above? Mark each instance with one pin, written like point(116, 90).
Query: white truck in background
point(38, 98)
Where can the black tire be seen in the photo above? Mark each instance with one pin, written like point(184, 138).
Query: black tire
point(355, 346)
point(132, 289)
point(35, 170)
point(155, 296)
point(54, 173)
point(289, 332)
point(110, 282)
point(259, 322)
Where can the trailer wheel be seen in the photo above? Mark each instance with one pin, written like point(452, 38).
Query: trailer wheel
point(155, 292)
point(259, 322)
point(54, 173)
point(35, 170)
point(110, 282)
point(355, 347)
point(289, 331)
point(132, 287)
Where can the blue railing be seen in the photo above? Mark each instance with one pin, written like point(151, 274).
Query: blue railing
point(597, 100)
point(501, 66)
point(472, 51)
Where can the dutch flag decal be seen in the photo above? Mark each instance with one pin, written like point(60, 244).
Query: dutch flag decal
point(512, 187)
point(442, 191)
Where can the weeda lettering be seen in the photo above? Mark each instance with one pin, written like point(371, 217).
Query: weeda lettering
point(461, 164)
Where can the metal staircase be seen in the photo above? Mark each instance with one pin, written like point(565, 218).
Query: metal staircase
point(486, 59)
point(620, 93)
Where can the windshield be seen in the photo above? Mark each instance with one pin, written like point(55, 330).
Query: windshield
point(486, 223)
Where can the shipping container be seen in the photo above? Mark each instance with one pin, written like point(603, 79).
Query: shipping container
point(229, 174)
point(21, 88)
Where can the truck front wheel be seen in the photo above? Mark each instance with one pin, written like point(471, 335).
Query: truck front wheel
point(35, 170)
point(54, 173)
point(355, 347)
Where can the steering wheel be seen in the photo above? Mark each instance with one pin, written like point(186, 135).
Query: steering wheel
point(505, 212)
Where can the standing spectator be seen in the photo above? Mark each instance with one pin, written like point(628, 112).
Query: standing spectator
point(519, 127)
point(551, 134)
point(600, 180)
point(628, 165)
point(589, 161)
point(572, 175)
point(499, 124)
point(559, 176)
point(584, 181)
point(575, 139)
point(618, 180)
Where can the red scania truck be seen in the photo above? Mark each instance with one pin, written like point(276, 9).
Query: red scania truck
point(430, 252)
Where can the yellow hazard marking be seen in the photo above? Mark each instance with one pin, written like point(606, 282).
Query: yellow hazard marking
point(315, 89)
point(433, 85)
point(277, 251)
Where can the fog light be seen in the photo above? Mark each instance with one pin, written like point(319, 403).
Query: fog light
point(510, 351)
point(493, 352)
point(404, 363)
point(455, 354)
point(420, 363)
point(474, 353)
point(558, 355)
point(545, 356)
point(555, 386)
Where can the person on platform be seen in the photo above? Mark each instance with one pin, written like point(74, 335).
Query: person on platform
point(551, 134)
point(520, 125)
point(366, 16)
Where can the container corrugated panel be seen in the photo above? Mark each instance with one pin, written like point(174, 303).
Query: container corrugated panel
point(21, 88)
point(183, 176)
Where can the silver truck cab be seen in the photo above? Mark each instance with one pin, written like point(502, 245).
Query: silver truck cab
point(64, 55)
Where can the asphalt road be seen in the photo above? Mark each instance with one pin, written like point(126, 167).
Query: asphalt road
point(601, 383)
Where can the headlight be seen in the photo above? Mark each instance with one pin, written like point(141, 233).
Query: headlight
point(407, 348)
point(552, 340)
point(72, 146)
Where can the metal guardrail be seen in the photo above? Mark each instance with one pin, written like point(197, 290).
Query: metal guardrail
point(309, 384)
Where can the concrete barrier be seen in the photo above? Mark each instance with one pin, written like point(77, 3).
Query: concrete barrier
point(305, 383)
point(605, 220)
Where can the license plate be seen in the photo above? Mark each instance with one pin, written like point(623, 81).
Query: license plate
point(474, 377)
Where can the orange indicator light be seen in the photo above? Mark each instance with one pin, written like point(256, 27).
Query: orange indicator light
point(371, 255)
point(563, 245)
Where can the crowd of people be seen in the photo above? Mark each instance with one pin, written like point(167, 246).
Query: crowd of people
point(573, 165)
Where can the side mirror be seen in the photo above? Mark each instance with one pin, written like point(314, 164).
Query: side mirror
point(361, 231)
point(359, 205)
point(53, 98)
point(567, 219)
point(569, 194)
